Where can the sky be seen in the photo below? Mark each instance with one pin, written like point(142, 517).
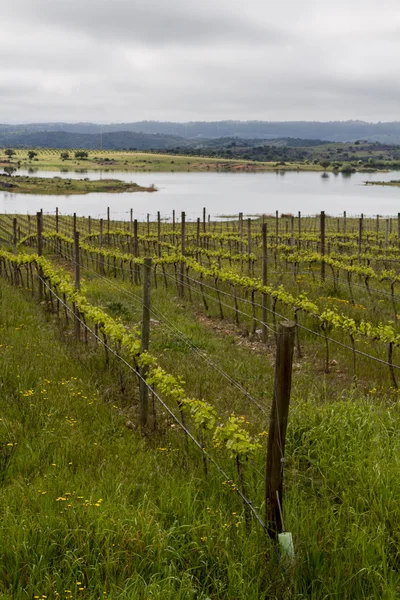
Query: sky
point(181, 60)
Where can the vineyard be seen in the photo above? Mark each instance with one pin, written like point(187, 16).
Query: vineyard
point(165, 337)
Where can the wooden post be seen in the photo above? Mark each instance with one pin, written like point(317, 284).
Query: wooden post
point(182, 274)
point(360, 233)
point(131, 221)
point(77, 262)
point(277, 429)
point(101, 258)
point(398, 229)
point(144, 392)
point(264, 282)
point(29, 225)
point(77, 283)
point(57, 220)
point(322, 233)
point(15, 236)
point(148, 224)
point(276, 227)
point(108, 219)
point(377, 223)
point(386, 237)
point(89, 225)
point(173, 221)
point(197, 239)
point(249, 245)
point(135, 252)
point(292, 231)
point(74, 223)
point(15, 251)
point(344, 225)
point(39, 226)
point(299, 217)
point(204, 220)
point(159, 232)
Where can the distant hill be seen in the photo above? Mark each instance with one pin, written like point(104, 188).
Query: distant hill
point(336, 131)
point(90, 141)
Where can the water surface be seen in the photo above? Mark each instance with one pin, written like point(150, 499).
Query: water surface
point(220, 193)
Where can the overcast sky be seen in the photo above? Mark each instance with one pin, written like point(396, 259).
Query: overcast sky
point(178, 60)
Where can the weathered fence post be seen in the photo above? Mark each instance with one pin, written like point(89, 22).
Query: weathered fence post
point(398, 229)
point(159, 233)
point(182, 270)
point(322, 233)
point(101, 257)
point(145, 340)
point(39, 226)
point(135, 252)
point(77, 269)
point(264, 282)
point(277, 429)
point(249, 245)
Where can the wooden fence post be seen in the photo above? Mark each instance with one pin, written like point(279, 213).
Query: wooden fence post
point(264, 282)
point(159, 233)
point(101, 257)
point(135, 252)
point(277, 429)
point(249, 245)
point(108, 220)
point(360, 233)
point(398, 229)
point(57, 220)
point(299, 217)
point(322, 234)
point(131, 221)
point(15, 234)
point(197, 239)
point(39, 228)
point(77, 283)
point(74, 224)
point(145, 340)
point(182, 273)
point(204, 220)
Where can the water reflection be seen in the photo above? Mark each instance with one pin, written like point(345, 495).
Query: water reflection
point(220, 193)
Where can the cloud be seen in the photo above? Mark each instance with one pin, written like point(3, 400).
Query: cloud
point(181, 60)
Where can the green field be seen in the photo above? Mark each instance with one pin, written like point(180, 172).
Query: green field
point(115, 160)
point(95, 506)
point(59, 186)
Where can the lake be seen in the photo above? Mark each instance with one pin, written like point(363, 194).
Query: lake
point(220, 193)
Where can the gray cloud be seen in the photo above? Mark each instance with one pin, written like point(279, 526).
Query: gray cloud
point(125, 60)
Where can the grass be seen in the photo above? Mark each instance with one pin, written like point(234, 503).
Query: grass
point(80, 493)
point(115, 160)
point(163, 529)
point(58, 186)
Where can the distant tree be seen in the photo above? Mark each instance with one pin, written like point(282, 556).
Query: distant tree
point(32, 154)
point(81, 154)
point(347, 168)
point(324, 163)
point(9, 170)
point(9, 152)
point(64, 155)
